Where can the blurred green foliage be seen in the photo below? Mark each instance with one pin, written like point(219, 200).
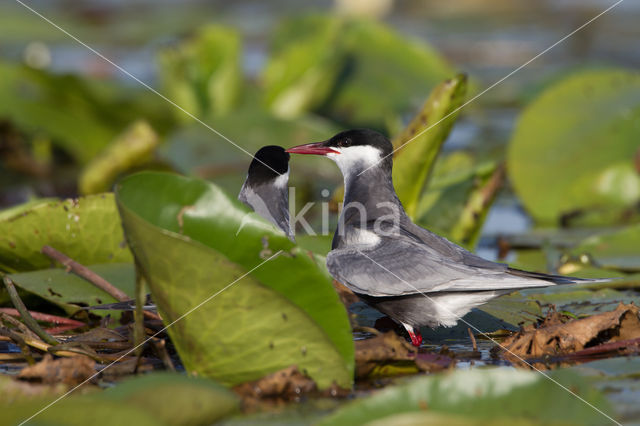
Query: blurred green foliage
point(357, 72)
point(574, 151)
point(202, 73)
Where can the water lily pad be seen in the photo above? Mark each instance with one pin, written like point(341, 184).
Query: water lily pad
point(71, 292)
point(619, 250)
point(175, 398)
point(157, 398)
point(87, 229)
point(577, 142)
point(489, 394)
point(187, 238)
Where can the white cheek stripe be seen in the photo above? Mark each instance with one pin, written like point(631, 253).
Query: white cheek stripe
point(355, 158)
point(282, 180)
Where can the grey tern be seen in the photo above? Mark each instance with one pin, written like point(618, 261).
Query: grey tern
point(265, 190)
point(414, 276)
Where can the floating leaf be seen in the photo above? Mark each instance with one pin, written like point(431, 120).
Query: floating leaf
point(616, 250)
point(76, 411)
point(202, 74)
point(489, 394)
point(414, 161)
point(133, 148)
point(157, 398)
point(618, 377)
point(87, 229)
point(192, 242)
point(574, 146)
point(176, 399)
point(525, 305)
point(70, 292)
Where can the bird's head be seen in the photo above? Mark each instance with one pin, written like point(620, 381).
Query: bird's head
point(354, 151)
point(269, 163)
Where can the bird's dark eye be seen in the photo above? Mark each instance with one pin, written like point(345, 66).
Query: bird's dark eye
point(344, 142)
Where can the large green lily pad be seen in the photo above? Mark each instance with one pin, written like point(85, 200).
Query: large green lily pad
point(154, 399)
point(574, 146)
point(175, 398)
point(86, 229)
point(490, 395)
point(191, 242)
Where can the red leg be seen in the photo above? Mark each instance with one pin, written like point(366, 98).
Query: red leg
point(416, 338)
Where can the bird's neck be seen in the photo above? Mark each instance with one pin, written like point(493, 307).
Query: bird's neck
point(372, 192)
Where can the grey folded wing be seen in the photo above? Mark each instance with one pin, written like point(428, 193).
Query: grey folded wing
point(398, 265)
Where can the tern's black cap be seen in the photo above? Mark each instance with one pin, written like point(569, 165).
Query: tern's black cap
point(269, 162)
point(361, 137)
point(365, 137)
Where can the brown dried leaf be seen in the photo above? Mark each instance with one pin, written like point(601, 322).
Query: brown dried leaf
point(288, 384)
point(70, 371)
point(347, 297)
point(390, 354)
point(557, 336)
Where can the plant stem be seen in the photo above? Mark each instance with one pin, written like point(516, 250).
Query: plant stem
point(24, 313)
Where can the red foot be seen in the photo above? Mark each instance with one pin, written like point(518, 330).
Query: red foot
point(416, 338)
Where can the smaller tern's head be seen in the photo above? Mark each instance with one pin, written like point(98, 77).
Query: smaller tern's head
point(354, 151)
point(269, 163)
point(265, 189)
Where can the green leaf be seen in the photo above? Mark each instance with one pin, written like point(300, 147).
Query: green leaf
point(132, 148)
point(15, 211)
point(68, 290)
point(153, 399)
point(176, 399)
point(374, 74)
point(55, 105)
point(77, 411)
point(183, 232)
point(300, 76)
point(487, 394)
point(577, 141)
point(579, 299)
point(616, 250)
point(387, 76)
point(618, 377)
point(87, 229)
point(80, 116)
point(417, 154)
point(462, 189)
point(202, 74)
